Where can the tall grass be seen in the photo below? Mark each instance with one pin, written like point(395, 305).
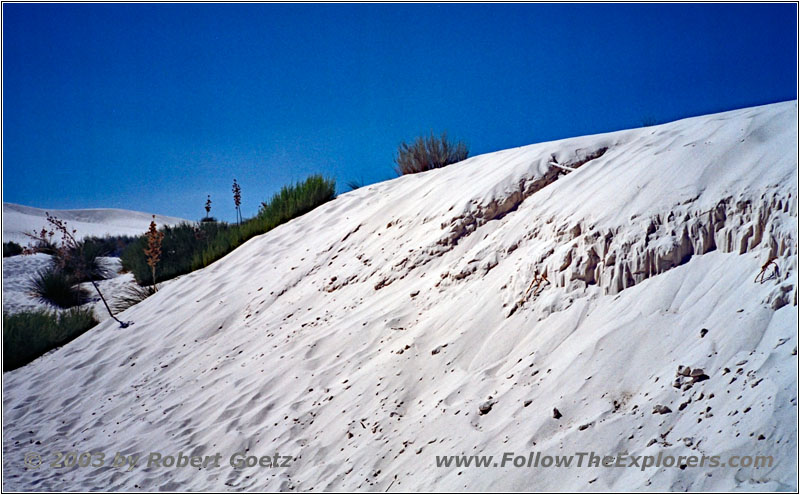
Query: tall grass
point(30, 334)
point(188, 247)
point(296, 200)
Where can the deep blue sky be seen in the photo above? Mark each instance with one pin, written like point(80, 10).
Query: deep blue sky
point(153, 106)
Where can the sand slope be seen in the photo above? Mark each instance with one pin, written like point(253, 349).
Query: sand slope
point(364, 337)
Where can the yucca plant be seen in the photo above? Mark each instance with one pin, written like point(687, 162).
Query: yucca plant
point(81, 261)
point(58, 288)
point(69, 254)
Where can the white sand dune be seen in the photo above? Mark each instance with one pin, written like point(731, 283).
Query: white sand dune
point(365, 337)
point(19, 219)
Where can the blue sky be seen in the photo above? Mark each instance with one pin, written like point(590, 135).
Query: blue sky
point(153, 106)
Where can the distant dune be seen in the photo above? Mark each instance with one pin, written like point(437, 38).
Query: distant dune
point(18, 219)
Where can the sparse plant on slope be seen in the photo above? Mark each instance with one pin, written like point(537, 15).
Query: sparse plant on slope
point(132, 295)
point(537, 285)
point(78, 259)
point(426, 153)
point(153, 250)
point(768, 271)
point(28, 335)
point(355, 184)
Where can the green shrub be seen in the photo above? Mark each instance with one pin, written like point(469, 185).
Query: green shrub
point(296, 200)
point(178, 248)
point(30, 334)
point(187, 247)
point(109, 245)
point(427, 153)
point(58, 288)
point(11, 248)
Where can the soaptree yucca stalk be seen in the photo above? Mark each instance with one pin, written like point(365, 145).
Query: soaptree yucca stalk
point(70, 253)
point(153, 249)
point(237, 200)
point(42, 242)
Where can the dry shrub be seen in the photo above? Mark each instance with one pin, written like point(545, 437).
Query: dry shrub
point(426, 153)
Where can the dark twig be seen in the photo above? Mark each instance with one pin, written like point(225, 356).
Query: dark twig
point(760, 278)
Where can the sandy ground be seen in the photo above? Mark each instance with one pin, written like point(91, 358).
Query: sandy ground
point(396, 324)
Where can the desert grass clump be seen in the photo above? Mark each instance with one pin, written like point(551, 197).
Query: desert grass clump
point(132, 295)
point(58, 288)
point(153, 250)
point(354, 184)
point(298, 199)
point(11, 248)
point(29, 334)
point(427, 153)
